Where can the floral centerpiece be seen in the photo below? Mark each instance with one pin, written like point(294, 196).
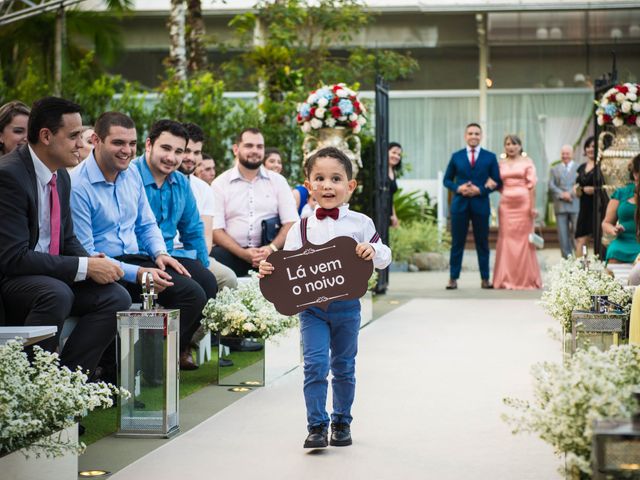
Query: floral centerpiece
point(568, 397)
point(332, 106)
point(244, 312)
point(40, 398)
point(619, 106)
point(571, 285)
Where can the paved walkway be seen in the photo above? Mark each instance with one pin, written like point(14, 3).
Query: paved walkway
point(431, 376)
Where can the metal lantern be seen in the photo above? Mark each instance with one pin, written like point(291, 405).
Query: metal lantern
point(605, 324)
point(149, 368)
point(616, 448)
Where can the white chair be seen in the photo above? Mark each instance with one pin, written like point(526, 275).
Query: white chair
point(620, 272)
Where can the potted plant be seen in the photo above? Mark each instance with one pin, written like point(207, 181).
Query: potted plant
point(569, 396)
point(240, 314)
point(39, 406)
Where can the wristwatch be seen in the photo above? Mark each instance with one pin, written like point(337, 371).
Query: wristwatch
point(273, 247)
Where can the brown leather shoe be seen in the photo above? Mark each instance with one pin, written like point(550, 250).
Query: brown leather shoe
point(452, 285)
point(186, 361)
point(486, 284)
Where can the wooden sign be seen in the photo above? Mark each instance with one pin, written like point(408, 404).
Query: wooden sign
point(316, 275)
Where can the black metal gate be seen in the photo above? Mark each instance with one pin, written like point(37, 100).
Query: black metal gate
point(382, 200)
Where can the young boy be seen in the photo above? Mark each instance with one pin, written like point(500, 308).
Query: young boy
point(329, 179)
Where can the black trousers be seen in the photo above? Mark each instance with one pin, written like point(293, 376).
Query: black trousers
point(237, 264)
point(43, 300)
point(189, 295)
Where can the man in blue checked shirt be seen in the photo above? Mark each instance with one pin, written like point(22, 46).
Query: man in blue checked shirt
point(112, 216)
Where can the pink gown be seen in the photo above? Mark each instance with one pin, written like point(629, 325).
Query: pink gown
point(516, 266)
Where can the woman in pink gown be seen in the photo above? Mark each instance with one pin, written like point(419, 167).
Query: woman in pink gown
point(516, 266)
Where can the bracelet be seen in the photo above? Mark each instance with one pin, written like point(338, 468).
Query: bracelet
point(273, 247)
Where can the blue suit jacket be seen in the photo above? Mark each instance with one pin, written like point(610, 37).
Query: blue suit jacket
point(459, 171)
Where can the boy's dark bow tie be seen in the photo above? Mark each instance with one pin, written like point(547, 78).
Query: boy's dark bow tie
point(322, 213)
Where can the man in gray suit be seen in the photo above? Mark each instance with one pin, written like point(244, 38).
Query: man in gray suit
point(565, 202)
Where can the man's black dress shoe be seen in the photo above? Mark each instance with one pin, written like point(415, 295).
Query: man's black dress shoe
point(245, 345)
point(317, 437)
point(485, 284)
point(340, 435)
point(452, 285)
point(225, 362)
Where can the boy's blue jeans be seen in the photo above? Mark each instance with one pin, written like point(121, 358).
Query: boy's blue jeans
point(335, 330)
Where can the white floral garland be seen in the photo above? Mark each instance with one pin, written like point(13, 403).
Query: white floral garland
point(591, 385)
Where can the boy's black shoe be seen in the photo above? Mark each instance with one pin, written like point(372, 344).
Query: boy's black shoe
point(340, 435)
point(317, 437)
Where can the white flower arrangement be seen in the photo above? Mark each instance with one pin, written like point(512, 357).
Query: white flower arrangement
point(570, 287)
point(332, 106)
point(244, 312)
point(591, 385)
point(42, 398)
point(620, 106)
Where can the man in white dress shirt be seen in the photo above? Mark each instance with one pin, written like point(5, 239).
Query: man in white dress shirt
point(245, 196)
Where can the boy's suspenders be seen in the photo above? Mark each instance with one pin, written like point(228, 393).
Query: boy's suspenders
point(303, 230)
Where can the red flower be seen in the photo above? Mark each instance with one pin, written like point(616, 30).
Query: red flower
point(612, 97)
point(356, 106)
point(336, 88)
point(631, 119)
point(622, 89)
point(299, 118)
point(335, 112)
point(353, 124)
point(335, 100)
point(312, 112)
point(606, 118)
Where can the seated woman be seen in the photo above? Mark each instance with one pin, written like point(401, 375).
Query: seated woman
point(621, 222)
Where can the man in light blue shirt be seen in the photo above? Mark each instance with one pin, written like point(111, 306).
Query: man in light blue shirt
point(172, 200)
point(113, 217)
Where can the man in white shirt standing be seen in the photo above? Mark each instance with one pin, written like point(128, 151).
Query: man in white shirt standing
point(205, 201)
point(565, 203)
point(245, 196)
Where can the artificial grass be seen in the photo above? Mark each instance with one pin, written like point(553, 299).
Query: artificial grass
point(103, 422)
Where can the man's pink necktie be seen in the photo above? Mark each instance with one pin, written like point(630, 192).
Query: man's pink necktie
point(473, 157)
point(54, 202)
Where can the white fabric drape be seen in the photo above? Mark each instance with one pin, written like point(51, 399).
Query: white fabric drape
point(430, 125)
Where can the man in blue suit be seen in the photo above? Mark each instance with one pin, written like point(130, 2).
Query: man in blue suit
point(468, 175)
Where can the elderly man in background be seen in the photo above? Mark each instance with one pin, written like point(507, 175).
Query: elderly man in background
point(565, 203)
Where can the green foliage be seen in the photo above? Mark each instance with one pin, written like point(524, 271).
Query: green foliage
point(413, 206)
point(199, 100)
point(415, 237)
point(302, 46)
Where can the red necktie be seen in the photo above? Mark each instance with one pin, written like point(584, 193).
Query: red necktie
point(473, 157)
point(54, 202)
point(322, 213)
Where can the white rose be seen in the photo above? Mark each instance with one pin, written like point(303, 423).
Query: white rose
point(342, 118)
point(353, 117)
point(610, 91)
point(362, 120)
point(312, 99)
point(330, 122)
point(633, 89)
point(323, 102)
point(636, 107)
point(600, 120)
point(320, 112)
point(316, 123)
point(617, 122)
point(625, 107)
point(620, 97)
point(342, 93)
point(306, 127)
point(631, 96)
point(357, 129)
point(638, 121)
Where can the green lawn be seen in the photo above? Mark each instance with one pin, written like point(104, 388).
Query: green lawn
point(101, 423)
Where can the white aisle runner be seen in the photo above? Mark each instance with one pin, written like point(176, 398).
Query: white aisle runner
point(431, 378)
